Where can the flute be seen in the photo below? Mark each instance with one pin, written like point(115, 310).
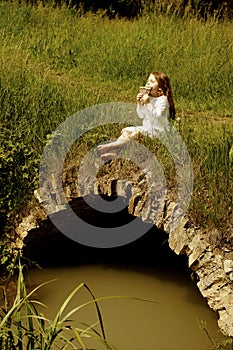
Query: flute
point(145, 91)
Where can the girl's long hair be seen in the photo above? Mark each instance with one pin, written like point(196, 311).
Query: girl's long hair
point(165, 85)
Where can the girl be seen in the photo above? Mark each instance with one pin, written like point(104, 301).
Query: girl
point(155, 109)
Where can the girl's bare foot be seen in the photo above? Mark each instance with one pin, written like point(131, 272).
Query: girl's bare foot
point(107, 156)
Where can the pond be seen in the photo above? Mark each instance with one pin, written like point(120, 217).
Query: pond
point(147, 269)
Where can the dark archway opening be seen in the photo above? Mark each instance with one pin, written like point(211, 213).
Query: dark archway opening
point(50, 248)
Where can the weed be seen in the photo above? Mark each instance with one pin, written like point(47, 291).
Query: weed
point(23, 327)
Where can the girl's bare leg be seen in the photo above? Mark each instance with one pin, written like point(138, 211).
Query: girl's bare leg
point(127, 134)
point(108, 147)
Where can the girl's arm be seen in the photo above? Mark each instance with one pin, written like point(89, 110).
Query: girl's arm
point(140, 109)
point(160, 113)
point(160, 106)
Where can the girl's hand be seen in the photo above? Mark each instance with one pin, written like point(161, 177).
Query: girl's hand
point(143, 98)
point(139, 96)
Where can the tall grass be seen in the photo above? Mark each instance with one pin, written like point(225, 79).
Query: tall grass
point(98, 55)
point(22, 326)
point(223, 344)
point(209, 141)
point(25, 326)
point(56, 61)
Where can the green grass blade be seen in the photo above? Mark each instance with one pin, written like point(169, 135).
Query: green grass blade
point(98, 311)
point(65, 303)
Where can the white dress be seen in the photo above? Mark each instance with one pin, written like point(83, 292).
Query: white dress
point(155, 115)
point(155, 120)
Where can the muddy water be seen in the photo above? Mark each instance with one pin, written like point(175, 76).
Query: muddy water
point(145, 269)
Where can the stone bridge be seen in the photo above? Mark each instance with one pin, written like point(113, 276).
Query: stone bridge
point(212, 264)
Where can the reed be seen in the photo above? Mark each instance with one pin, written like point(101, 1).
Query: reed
point(22, 326)
point(25, 326)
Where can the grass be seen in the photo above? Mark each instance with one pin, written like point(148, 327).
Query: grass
point(22, 326)
point(25, 326)
point(223, 344)
point(56, 61)
point(209, 141)
point(59, 46)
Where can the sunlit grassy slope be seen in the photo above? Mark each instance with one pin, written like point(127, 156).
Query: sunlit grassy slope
point(54, 62)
